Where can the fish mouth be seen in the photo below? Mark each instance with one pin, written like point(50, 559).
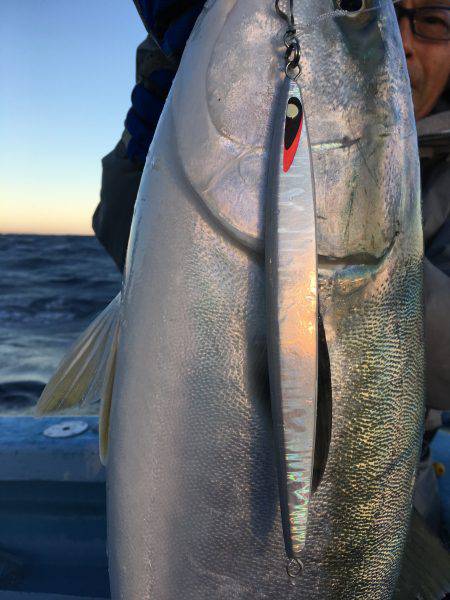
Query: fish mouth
point(355, 270)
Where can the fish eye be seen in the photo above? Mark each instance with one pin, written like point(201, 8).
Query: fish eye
point(360, 12)
point(351, 6)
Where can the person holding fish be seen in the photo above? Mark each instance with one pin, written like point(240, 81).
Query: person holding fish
point(425, 31)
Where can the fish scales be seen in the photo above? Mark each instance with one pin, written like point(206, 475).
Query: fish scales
point(193, 504)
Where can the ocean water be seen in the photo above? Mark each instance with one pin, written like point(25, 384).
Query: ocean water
point(51, 288)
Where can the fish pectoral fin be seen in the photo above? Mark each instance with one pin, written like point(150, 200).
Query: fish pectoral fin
point(106, 397)
point(86, 373)
point(425, 572)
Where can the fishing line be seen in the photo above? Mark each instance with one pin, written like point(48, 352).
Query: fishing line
point(328, 15)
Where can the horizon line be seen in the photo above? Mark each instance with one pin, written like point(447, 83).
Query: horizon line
point(47, 234)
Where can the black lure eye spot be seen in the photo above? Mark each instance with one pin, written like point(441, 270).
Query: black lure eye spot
point(292, 131)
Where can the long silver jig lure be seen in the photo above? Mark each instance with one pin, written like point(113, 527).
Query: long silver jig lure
point(291, 263)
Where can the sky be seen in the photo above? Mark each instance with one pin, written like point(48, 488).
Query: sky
point(67, 70)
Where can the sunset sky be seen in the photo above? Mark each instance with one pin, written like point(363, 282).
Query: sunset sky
point(66, 74)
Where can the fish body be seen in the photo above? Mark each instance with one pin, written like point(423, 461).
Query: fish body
point(193, 501)
point(193, 504)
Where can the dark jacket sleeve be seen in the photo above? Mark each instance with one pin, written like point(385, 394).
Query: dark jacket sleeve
point(112, 217)
point(169, 23)
point(436, 213)
point(122, 167)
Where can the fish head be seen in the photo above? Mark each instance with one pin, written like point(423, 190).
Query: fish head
point(358, 109)
point(363, 137)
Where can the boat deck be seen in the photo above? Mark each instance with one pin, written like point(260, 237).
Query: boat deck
point(53, 510)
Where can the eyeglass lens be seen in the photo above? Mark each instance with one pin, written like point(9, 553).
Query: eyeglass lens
point(432, 23)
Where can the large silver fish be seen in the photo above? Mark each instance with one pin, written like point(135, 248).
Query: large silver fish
point(193, 503)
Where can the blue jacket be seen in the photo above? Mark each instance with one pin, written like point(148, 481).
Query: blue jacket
point(169, 24)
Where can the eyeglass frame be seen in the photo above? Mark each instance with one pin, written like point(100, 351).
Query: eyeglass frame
point(410, 13)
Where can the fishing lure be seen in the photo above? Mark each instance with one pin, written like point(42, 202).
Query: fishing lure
point(291, 260)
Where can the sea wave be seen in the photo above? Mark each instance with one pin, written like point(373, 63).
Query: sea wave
point(52, 288)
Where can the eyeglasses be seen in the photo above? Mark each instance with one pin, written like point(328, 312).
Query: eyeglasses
point(427, 22)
